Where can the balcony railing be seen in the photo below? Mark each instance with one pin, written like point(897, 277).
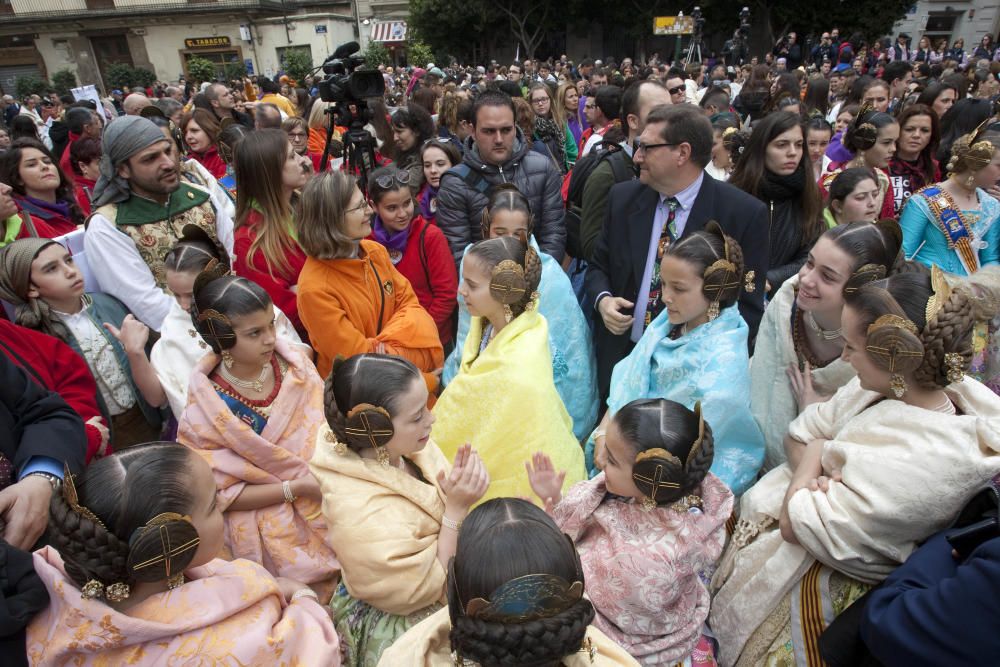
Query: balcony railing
point(55, 10)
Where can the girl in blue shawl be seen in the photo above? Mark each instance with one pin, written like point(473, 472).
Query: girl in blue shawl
point(574, 368)
point(696, 350)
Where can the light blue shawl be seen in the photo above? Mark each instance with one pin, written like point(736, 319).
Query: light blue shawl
point(709, 364)
point(574, 368)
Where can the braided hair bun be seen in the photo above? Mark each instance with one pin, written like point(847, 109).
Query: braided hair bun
point(218, 298)
point(515, 268)
point(666, 434)
point(718, 258)
point(862, 134)
point(361, 396)
point(502, 540)
point(102, 532)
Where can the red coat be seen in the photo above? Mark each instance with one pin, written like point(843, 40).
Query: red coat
point(49, 222)
point(279, 285)
point(430, 267)
point(65, 163)
point(54, 365)
point(211, 160)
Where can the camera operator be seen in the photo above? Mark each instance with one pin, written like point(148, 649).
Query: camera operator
point(823, 51)
point(789, 49)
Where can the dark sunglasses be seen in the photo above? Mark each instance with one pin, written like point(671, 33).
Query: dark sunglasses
point(676, 89)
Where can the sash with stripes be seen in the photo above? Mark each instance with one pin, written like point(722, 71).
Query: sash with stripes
point(955, 229)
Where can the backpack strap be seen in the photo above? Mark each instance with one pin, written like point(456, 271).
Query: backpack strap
point(619, 169)
point(472, 178)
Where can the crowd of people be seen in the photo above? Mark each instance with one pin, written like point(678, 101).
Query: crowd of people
point(598, 364)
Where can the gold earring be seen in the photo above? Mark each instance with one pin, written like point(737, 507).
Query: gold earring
point(713, 310)
point(338, 446)
point(508, 314)
point(382, 456)
point(648, 504)
point(227, 358)
point(898, 385)
point(175, 581)
point(970, 181)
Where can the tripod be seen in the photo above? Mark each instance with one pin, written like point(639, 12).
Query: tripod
point(359, 144)
point(693, 48)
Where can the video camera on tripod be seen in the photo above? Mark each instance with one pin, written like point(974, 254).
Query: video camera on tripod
point(695, 46)
point(739, 49)
point(348, 88)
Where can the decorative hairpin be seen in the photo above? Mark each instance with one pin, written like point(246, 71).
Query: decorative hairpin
point(941, 292)
point(526, 598)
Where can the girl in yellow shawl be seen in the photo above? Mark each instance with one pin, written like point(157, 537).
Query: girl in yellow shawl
point(504, 400)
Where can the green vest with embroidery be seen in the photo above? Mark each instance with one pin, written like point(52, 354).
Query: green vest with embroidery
point(155, 227)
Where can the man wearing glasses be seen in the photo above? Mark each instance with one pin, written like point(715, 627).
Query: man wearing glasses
point(672, 198)
point(676, 87)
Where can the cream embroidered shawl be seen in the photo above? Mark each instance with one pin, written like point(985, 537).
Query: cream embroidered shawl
point(906, 474)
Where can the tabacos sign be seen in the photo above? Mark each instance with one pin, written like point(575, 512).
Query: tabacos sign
point(206, 42)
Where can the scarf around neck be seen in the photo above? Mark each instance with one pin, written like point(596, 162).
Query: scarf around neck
point(394, 242)
point(44, 209)
point(428, 202)
point(781, 188)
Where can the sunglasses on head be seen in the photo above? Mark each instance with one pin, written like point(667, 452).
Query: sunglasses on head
point(385, 180)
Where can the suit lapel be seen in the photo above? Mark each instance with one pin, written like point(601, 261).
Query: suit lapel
point(640, 228)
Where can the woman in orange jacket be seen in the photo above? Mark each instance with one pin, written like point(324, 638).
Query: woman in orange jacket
point(351, 298)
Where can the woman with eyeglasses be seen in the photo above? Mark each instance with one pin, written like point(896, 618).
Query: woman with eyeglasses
point(297, 130)
point(269, 173)
point(417, 248)
point(549, 126)
point(351, 297)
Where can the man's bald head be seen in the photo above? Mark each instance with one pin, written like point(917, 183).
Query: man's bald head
point(135, 103)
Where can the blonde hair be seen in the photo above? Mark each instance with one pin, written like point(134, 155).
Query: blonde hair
point(322, 214)
point(259, 162)
point(317, 116)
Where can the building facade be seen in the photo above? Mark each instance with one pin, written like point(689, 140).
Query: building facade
point(950, 20)
point(41, 37)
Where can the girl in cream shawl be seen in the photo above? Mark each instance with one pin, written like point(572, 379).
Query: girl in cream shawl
point(503, 399)
point(118, 596)
point(574, 369)
point(392, 503)
point(852, 502)
point(796, 359)
point(696, 350)
point(254, 406)
point(515, 597)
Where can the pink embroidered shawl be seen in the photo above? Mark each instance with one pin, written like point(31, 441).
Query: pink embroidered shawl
point(642, 568)
point(289, 540)
point(228, 613)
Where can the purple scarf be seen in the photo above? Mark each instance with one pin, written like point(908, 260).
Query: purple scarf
point(394, 242)
point(428, 203)
point(43, 209)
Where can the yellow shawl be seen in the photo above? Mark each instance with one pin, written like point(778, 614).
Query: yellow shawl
point(504, 402)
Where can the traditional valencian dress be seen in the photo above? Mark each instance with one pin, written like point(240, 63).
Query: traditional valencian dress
point(427, 645)
point(384, 524)
point(708, 364)
point(642, 567)
point(503, 401)
point(574, 368)
point(227, 613)
point(180, 347)
point(772, 401)
point(906, 474)
point(265, 442)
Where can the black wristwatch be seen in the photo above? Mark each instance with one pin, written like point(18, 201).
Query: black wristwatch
point(53, 480)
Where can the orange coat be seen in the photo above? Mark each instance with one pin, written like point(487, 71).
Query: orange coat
point(340, 301)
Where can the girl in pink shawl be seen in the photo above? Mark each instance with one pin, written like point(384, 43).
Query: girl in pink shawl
point(253, 411)
point(133, 579)
point(646, 528)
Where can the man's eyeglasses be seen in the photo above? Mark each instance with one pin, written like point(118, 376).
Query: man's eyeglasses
point(676, 89)
point(297, 136)
point(641, 147)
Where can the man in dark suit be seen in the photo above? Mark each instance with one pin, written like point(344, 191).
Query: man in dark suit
point(673, 190)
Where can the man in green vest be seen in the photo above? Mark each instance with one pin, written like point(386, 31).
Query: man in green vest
point(141, 206)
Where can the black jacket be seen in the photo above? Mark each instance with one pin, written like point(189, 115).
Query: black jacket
point(788, 252)
point(465, 188)
point(619, 259)
point(37, 422)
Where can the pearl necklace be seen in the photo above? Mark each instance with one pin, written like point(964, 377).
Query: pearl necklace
point(256, 385)
point(826, 335)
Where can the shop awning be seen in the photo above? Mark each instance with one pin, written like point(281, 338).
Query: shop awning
point(389, 31)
